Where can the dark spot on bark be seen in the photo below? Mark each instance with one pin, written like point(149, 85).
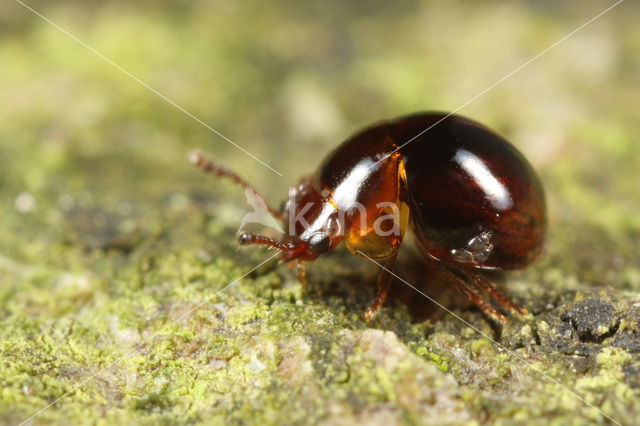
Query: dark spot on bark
point(592, 320)
point(581, 328)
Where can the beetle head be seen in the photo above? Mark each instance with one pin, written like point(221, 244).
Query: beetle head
point(312, 221)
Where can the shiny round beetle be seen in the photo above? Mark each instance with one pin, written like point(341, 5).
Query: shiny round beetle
point(473, 201)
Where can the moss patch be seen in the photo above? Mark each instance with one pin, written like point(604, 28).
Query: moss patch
point(121, 298)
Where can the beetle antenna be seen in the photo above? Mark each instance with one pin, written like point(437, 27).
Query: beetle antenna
point(208, 165)
point(246, 238)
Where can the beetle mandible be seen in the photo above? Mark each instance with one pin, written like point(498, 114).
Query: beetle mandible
point(473, 201)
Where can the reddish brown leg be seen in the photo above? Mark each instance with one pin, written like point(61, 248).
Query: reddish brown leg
point(302, 277)
point(467, 290)
point(209, 166)
point(491, 288)
point(384, 282)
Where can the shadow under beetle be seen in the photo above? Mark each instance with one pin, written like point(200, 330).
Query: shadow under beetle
point(473, 201)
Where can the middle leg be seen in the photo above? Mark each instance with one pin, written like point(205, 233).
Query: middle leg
point(491, 288)
point(467, 289)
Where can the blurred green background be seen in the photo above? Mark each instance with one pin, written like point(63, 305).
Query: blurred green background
point(106, 227)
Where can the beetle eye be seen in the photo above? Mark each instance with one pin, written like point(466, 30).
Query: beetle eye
point(319, 243)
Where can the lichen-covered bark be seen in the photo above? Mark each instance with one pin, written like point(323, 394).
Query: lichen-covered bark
point(122, 290)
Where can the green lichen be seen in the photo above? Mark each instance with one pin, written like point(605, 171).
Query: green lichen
point(121, 297)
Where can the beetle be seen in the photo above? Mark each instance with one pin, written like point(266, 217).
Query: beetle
point(472, 199)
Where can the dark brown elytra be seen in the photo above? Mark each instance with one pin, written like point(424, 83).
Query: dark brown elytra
point(473, 201)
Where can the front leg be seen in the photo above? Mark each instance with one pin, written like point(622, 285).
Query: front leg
point(384, 282)
point(302, 277)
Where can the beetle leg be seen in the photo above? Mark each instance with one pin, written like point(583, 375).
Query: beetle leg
point(302, 277)
point(384, 282)
point(208, 165)
point(467, 290)
point(491, 288)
